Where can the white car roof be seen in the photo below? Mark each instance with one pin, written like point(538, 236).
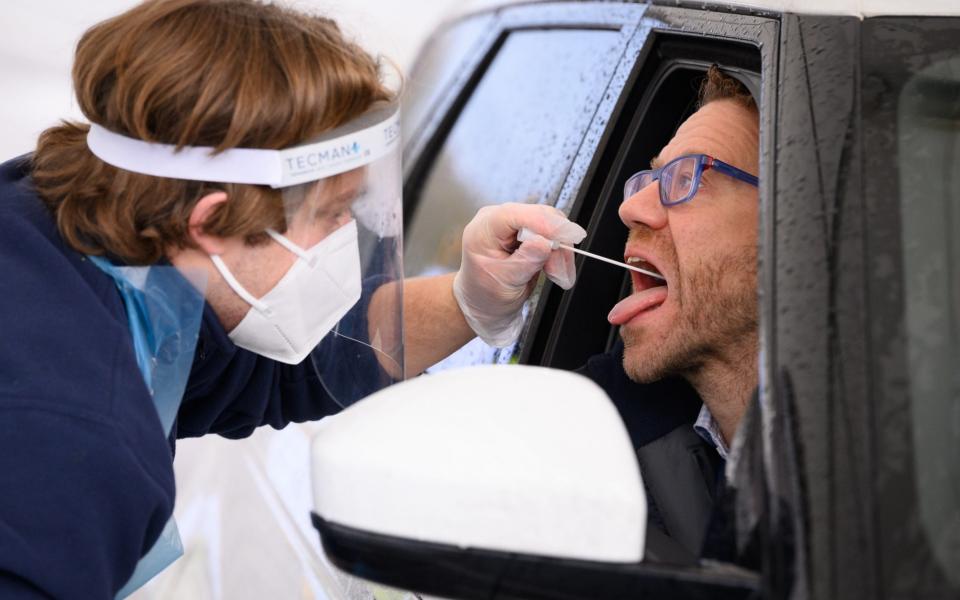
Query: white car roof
point(858, 8)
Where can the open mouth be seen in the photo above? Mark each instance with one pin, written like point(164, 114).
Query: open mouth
point(642, 281)
point(649, 292)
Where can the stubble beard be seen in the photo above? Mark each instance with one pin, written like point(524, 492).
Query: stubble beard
point(717, 315)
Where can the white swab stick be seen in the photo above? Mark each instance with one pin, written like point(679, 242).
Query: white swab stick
point(525, 234)
point(609, 260)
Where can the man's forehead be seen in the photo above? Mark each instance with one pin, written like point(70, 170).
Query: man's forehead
point(722, 129)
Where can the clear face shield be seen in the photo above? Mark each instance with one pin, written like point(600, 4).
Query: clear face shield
point(326, 290)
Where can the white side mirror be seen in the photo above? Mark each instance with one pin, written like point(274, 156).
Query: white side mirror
point(504, 458)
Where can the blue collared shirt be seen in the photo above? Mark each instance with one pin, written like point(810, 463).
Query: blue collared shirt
point(708, 428)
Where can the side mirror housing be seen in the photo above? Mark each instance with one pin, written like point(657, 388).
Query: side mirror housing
point(502, 457)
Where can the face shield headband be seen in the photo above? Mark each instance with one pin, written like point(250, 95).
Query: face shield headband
point(359, 143)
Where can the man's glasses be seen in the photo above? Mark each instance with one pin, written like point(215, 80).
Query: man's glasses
point(680, 178)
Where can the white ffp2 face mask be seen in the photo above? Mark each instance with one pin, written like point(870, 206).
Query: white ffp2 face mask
point(318, 290)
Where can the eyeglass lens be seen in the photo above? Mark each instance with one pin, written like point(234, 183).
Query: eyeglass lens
point(636, 183)
point(677, 180)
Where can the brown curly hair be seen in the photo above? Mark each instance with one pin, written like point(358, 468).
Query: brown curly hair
point(220, 73)
point(717, 85)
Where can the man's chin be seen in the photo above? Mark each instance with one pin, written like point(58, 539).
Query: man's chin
point(643, 364)
point(648, 358)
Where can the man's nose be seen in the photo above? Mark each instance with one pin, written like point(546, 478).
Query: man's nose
point(644, 208)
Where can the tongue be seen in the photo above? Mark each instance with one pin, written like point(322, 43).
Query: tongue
point(635, 304)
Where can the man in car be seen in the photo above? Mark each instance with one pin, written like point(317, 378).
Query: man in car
point(687, 367)
point(693, 218)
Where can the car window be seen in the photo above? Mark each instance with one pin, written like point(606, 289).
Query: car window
point(912, 150)
point(929, 151)
point(514, 141)
point(437, 67)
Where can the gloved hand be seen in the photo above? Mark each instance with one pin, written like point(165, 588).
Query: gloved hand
point(497, 273)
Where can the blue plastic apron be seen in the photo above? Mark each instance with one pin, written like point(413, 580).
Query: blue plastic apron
point(164, 311)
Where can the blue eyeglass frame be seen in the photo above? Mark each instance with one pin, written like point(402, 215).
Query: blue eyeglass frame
point(704, 162)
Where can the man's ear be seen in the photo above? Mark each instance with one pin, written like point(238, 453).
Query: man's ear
point(211, 244)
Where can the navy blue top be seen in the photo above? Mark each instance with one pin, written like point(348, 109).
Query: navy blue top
point(86, 474)
point(649, 410)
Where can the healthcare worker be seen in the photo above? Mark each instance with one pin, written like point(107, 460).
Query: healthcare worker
point(217, 249)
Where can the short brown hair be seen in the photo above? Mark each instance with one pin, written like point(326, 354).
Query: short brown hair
point(717, 85)
point(220, 73)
